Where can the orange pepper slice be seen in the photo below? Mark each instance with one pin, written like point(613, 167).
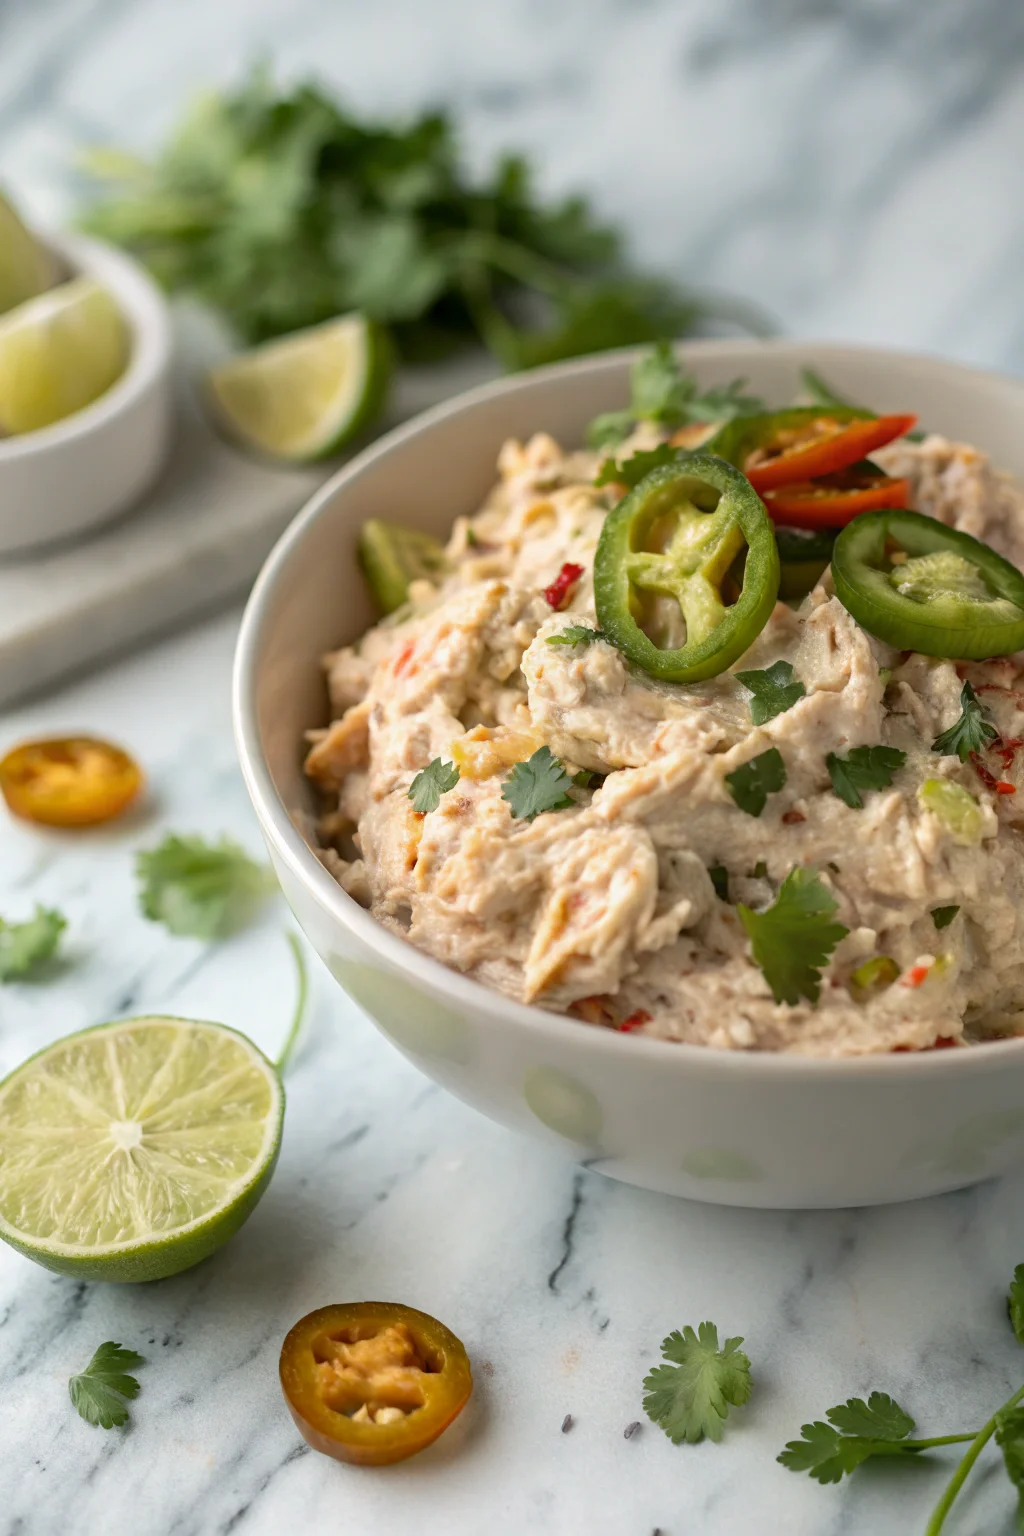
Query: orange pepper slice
point(373, 1382)
point(70, 781)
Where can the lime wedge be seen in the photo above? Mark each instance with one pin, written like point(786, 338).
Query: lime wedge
point(26, 267)
point(306, 395)
point(392, 556)
point(133, 1150)
point(58, 353)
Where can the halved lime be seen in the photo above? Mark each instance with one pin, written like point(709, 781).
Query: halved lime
point(304, 396)
point(135, 1149)
point(26, 266)
point(58, 353)
point(392, 556)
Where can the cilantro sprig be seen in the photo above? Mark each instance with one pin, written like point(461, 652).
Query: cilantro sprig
point(943, 916)
point(752, 783)
point(663, 392)
point(793, 938)
point(856, 1431)
point(24, 946)
point(774, 690)
point(971, 733)
point(637, 467)
point(864, 768)
point(576, 634)
point(198, 889)
point(690, 1397)
point(433, 781)
point(538, 785)
point(100, 1391)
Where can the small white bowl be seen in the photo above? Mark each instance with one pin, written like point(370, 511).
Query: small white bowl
point(85, 469)
point(730, 1127)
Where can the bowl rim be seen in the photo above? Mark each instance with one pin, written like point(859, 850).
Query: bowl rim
point(413, 964)
point(148, 315)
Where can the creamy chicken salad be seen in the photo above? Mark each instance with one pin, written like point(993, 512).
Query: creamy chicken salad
point(592, 759)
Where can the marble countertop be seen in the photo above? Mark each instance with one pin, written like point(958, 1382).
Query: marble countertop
point(853, 169)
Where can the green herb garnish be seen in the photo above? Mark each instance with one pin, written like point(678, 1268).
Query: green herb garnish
point(281, 209)
point(774, 690)
point(99, 1392)
point(538, 785)
point(433, 781)
point(752, 783)
point(663, 392)
point(23, 946)
point(690, 1398)
point(864, 768)
point(943, 916)
point(719, 877)
point(971, 733)
point(793, 938)
point(637, 467)
point(198, 889)
point(576, 634)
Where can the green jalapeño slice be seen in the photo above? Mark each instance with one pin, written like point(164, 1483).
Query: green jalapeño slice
point(687, 558)
point(921, 586)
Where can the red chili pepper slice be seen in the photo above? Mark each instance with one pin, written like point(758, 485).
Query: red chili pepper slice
point(826, 503)
point(835, 447)
point(997, 786)
point(560, 590)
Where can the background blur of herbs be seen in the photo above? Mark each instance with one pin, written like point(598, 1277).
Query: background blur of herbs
point(280, 210)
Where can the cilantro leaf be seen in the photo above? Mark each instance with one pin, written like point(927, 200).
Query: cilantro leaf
point(943, 916)
point(971, 733)
point(23, 946)
point(1015, 1303)
point(99, 1392)
point(539, 785)
point(608, 429)
point(819, 391)
point(576, 634)
point(198, 889)
point(793, 938)
point(865, 768)
point(637, 467)
point(774, 690)
point(690, 1398)
point(719, 877)
point(856, 1431)
point(433, 781)
point(1010, 1439)
point(752, 783)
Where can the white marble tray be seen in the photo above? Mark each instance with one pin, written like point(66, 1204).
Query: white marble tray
point(195, 544)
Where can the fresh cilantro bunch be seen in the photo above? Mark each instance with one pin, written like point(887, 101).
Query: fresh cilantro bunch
point(198, 889)
point(663, 392)
point(637, 467)
point(282, 209)
point(690, 1398)
point(100, 1391)
point(793, 938)
point(971, 733)
point(23, 946)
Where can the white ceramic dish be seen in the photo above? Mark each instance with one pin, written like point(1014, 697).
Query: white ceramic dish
point(68, 477)
point(733, 1128)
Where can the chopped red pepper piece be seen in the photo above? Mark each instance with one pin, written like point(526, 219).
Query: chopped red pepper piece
point(636, 1020)
point(916, 975)
point(997, 786)
point(560, 590)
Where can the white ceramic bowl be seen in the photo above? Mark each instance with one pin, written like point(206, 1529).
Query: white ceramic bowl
point(730, 1127)
point(96, 463)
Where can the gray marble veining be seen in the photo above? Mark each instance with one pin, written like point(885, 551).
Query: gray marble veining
point(854, 168)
